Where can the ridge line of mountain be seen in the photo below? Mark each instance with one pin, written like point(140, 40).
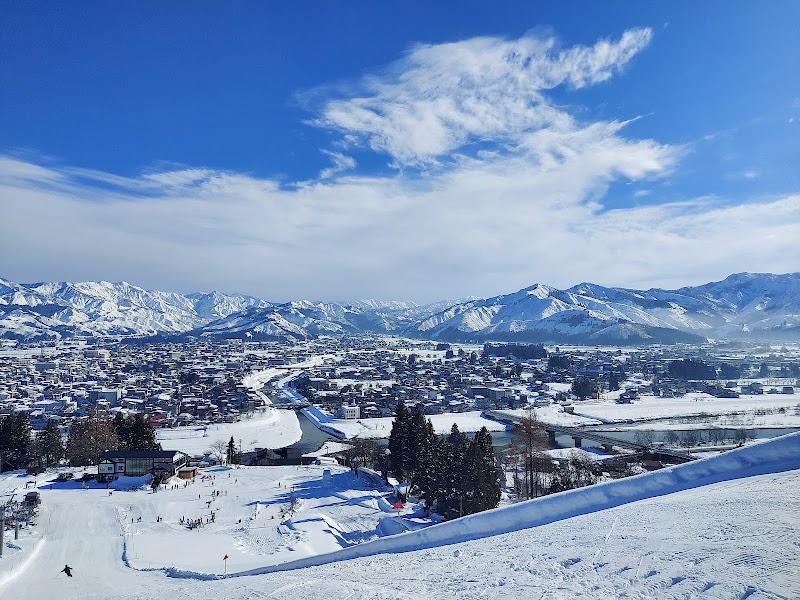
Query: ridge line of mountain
point(762, 306)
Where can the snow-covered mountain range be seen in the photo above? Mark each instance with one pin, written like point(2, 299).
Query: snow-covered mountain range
point(742, 306)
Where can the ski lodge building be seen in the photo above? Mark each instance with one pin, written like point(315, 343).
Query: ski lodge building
point(135, 463)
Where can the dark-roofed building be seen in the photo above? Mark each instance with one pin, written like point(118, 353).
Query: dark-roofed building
point(135, 463)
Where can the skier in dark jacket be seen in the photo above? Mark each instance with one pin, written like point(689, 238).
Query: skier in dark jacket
point(68, 570)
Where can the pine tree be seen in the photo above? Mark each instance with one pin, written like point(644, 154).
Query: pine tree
point(424, 444)
point(451, 475)
point(15, 441)
point(584, 387)
point(613, 381)
point(398, 441)
point(230, 453)
point(51, 445)
point(5, 443)
point(418, 458)
point(122, 427)
point(141, 436)
point(484, 487)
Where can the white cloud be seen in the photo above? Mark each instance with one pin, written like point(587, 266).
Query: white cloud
point(482, 228)
point(341, 162)
point(177, 179)
point(440, 98)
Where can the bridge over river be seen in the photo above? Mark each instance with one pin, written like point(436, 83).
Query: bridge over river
point(578, 434)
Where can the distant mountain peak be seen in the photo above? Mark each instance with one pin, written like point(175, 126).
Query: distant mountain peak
point(742, 306)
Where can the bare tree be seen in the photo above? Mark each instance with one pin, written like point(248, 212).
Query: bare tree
point(218, 449)
point(716, 435)
point(527, 440)
point(362, 453)
point(691, 438)
point(88, 438)
point(583, 470)
point(645, 437)
point(672, 438)
point(540, 465)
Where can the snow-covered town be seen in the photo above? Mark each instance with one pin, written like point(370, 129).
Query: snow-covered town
point(349, 387)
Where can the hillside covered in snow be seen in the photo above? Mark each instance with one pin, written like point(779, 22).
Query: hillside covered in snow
point(744, 306)
point(722, 527)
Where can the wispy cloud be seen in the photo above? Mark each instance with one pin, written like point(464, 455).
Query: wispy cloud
point(747, 174)
point(440, 98)
point(341, 162)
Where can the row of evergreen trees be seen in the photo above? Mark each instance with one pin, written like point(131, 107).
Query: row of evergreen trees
point(86, 440)
point(455, 475)
point(690, 368)
point(520, 351)
point(15, 439)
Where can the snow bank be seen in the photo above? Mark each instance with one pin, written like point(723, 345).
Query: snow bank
point(320, 418)
point(17, 562)
point(772, 456)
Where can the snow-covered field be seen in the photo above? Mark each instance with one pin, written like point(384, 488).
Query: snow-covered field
point(749, 421)
point(553, 415)
point(693, 404)
point(725, 527)
point(468, 422)
point(767, 410)
point(272, 428)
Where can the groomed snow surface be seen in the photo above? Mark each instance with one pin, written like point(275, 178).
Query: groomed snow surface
point(724, 527)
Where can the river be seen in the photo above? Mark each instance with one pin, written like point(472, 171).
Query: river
point(313, 437)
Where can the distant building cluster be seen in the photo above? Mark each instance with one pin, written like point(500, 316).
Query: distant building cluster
point(356, 377)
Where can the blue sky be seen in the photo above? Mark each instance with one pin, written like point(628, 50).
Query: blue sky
point(353, 150)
